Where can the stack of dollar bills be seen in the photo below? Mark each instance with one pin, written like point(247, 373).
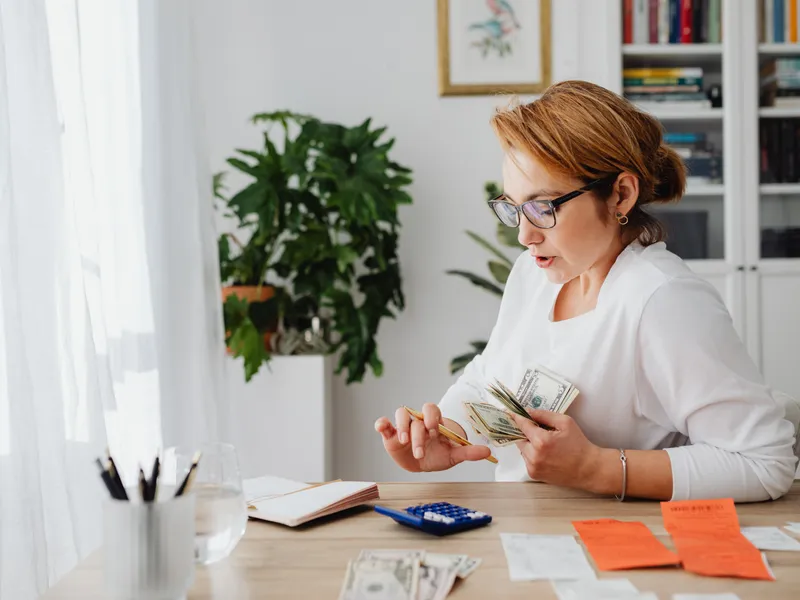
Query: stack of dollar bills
point(540, 388)
point(404, 574)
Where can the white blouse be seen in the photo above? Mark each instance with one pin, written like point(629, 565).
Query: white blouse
point(658, 364)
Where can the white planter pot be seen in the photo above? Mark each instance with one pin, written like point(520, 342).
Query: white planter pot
point(281, 419)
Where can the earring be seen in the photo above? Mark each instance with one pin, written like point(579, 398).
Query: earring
point(621, 219)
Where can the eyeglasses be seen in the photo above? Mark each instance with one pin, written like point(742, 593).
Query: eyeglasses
point(541, 213)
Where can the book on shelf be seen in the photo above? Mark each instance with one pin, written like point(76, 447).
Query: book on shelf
point(702, 160)
point(293, 503)
point(779, 150)
point(779, 83)
point(665, 88)
point(780, 242)
point(671, 21)
point(778, 21)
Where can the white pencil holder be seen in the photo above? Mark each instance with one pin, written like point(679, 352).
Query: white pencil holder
point(149, 549)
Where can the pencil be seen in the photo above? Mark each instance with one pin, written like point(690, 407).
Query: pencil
point(187, 481)
point(106, 477)
point(448, 433)
point(115, 477)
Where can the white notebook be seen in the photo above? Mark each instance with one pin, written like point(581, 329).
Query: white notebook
point(293, 502)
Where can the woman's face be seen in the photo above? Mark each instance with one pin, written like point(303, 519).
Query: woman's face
point(581, 237)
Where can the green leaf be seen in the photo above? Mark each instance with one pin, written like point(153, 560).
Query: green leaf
point(479, 281)
point(461, 361)
point(479, 345)
point(217, 184)
point(481, 241)
point(508, 236)
point(500, 271)
point(345, 256)
point(247, 342)
point(250, 200)
point(243, 166)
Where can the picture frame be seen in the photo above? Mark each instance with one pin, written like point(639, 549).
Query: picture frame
point(493, 46)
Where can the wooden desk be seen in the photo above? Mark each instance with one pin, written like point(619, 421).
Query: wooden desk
point(273, 561)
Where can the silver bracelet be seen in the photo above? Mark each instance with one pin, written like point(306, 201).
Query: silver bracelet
point(624, 461)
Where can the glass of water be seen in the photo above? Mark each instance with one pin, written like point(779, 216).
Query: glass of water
point(220, 509)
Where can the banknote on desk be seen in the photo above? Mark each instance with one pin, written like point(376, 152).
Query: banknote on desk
point(404, 574)
point(540, 388)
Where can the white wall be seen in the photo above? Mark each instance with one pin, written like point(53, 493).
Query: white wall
point(344, 61)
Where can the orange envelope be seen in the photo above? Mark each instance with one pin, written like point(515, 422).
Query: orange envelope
point(709, 540)
point(617, 545)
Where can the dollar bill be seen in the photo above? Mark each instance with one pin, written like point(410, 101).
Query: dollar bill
point(552, 389)
point(386, 578)
point(494, 426)
point(494, 419)
point(468, 566)
point(437, 572)
point(392, 553)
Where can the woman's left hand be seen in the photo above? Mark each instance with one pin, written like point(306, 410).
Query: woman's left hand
point(562, 456)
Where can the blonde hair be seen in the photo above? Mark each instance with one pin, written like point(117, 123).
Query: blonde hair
point(582, 130)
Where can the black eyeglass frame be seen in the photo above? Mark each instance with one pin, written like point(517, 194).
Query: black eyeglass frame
point(554, 203)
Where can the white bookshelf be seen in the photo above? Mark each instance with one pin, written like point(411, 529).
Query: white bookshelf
point(778, 189)
point(779, 49)
point(690, 51)
point(688, 114)
point(761, 293)
point(705, 189)
point(776, 112)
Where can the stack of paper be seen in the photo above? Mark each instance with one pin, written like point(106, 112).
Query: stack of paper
point(293, 502)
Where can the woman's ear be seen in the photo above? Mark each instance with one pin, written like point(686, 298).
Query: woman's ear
point(627, 188)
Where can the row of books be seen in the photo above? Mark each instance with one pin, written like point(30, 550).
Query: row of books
point(671, 21)
point(778, 21)
point(779, 150)
point(702, 159)
point(781, 242)
point(665, 87)
point(779, 81)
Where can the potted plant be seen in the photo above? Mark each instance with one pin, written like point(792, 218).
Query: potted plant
point(313, 266)
point(499, 268)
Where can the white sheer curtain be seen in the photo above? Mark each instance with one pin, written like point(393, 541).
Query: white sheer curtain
point(110, 333)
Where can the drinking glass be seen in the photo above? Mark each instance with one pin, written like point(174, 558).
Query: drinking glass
point(220, 508)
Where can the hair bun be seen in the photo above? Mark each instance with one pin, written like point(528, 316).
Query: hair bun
point(670, 174)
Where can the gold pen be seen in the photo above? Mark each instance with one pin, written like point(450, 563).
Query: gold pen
point(448, 433)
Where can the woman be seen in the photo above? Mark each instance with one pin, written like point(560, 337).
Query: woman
point(670, 406)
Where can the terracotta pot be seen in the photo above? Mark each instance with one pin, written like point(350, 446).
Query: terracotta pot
point(251, 293)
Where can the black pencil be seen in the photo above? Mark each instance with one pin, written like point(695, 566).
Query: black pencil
point(152, 485)
point(116, 477)
point(107, 481)
point(142, 485)
point(189, 476)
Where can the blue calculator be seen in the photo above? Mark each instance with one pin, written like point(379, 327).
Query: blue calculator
point(440, 518)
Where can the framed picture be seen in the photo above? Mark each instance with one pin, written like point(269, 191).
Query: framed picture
point(493, 46)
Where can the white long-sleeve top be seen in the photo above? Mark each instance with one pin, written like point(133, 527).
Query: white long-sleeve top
point(658, 365)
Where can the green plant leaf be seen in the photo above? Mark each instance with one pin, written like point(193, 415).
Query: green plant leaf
point(243, 166)
point(322, 219)
point(500, 271)
point(481, 241)
point(478, 280)
point(461, 361)
point(508, 236)
point(250, 200)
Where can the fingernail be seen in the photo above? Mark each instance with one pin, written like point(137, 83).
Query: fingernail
point(419, 452)
point(404, 438)
point(433, 432)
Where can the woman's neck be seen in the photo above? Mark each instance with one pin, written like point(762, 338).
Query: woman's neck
point(587, 285)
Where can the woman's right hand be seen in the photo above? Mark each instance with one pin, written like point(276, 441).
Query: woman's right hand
point(418, 446)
